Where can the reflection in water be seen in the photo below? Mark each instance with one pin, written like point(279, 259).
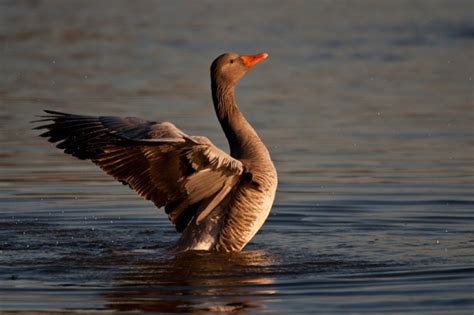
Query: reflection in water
point(370, 121)
point(232, 282)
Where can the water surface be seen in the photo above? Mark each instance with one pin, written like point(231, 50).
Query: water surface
point(367, 109)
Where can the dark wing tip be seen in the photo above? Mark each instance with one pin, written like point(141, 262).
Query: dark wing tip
point(52, 115)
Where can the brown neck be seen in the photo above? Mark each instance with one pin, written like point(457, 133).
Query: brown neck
point(243, 140)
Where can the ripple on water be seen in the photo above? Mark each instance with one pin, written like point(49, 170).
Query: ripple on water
point(368, 118)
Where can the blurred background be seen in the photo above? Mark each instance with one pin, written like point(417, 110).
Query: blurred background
point(366, 106)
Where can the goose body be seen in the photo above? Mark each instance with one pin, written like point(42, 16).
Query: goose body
point(218, 201)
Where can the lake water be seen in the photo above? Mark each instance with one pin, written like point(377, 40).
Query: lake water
point(367, 108)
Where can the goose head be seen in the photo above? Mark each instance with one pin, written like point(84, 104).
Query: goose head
point(229, 68)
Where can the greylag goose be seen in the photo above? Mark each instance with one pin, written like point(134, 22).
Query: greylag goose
point(216, 200)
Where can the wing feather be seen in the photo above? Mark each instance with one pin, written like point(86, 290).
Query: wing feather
point(188, 176)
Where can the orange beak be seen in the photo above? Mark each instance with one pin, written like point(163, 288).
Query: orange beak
point(251, 60)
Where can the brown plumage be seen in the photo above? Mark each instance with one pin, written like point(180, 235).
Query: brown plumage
point(218, 201)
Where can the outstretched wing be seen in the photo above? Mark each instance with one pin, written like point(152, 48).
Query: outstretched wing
point(187, 175)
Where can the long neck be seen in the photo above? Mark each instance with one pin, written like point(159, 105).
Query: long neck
point(244, 142)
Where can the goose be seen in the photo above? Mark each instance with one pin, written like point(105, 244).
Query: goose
point(218, 201)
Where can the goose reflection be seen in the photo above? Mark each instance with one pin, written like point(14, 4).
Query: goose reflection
point(196, 282)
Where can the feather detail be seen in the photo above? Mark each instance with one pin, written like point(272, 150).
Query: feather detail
point(187, 175)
